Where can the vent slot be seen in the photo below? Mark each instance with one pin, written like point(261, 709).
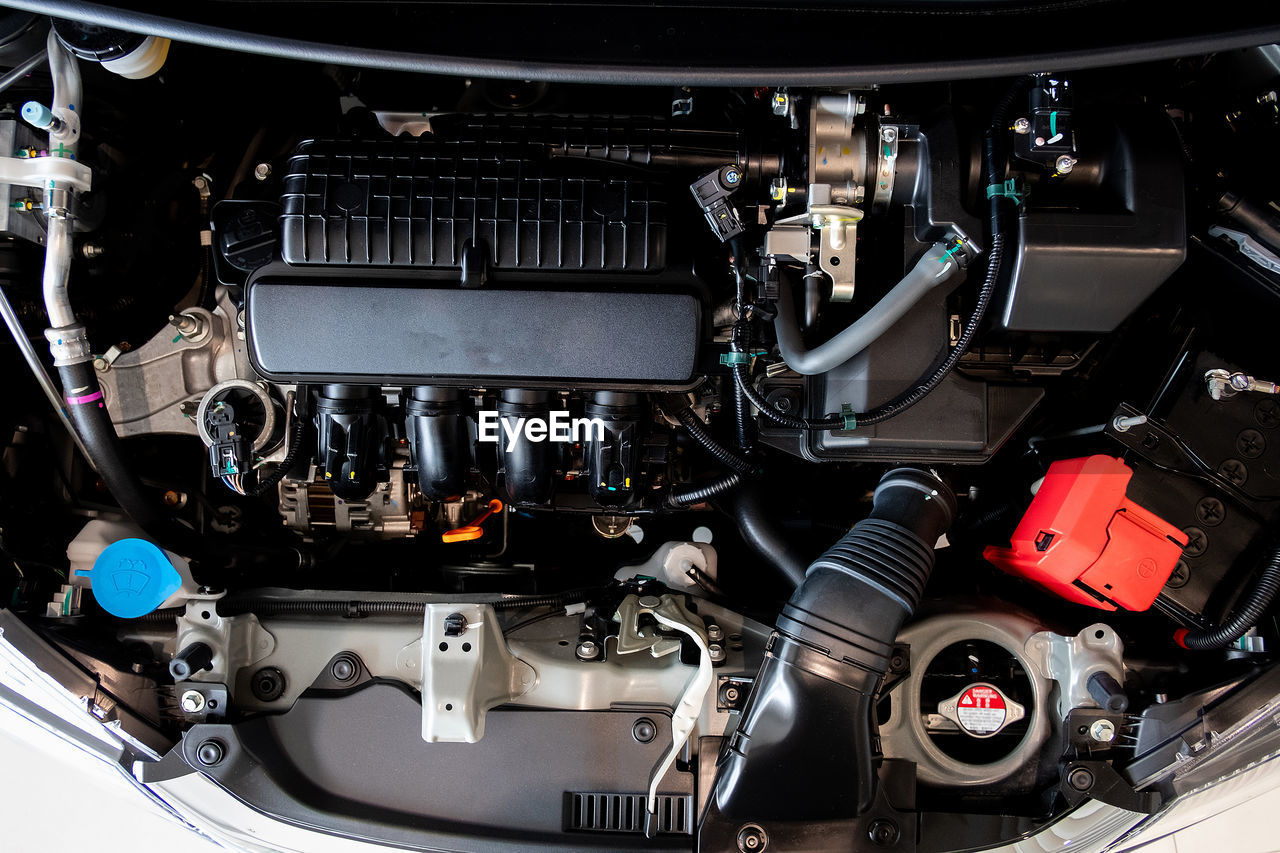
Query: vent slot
point(597, 811)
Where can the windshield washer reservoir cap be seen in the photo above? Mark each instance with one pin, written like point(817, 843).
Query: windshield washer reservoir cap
point(132, 577)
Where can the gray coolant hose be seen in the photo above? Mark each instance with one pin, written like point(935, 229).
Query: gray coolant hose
point(934, 269)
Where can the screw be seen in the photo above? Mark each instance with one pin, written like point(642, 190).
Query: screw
point(1123, 424)
point(644, 730)
point(1234, 472)
point(716, 652)
point(1211, 511)
point(883, 832)
point(262, 171)
point(192, 702)
point(752, 839)
point(1081, 778)
point(89, 251)
point(715, 633)
point(778, 189)
point(1181, 574)
point(343, 669)
point(1197, 541)
point(888, 134)
point(1250, 443)
point(1065, 164)
point(1022, 126)
point(1267, 413)
point(209, 753)
point(588, 650)
point(731, 695)
point(174, 499)
point(1103, 731)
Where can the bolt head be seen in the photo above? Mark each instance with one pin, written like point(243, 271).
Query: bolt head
point(716, 651)
point(1103, 731)
point(888, 134)
point(343, 669)
point(781, 103)
point(1065, 164)
point(588, 650)
point(192, 702)
point(731, 694)
point(715, 633)
point(1022, 126)
point(262, 171)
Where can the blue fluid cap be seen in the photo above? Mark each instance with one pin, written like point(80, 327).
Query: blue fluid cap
point(132, 577)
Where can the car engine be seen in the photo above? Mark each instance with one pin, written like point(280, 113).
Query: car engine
point(453, 461)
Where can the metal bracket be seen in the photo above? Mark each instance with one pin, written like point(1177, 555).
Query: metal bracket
point(1070, 661)
point(669, 611)
point(46, 173)
point(465, 674)
point(886, 168)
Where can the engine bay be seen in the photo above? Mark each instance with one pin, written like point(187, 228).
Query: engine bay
point(455, 462)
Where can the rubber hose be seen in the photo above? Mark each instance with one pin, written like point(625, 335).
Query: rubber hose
point(934, 269)
point(747, 509)
point(692, 493)
point(1245, 616)
point(698, 432)
point(89, 416)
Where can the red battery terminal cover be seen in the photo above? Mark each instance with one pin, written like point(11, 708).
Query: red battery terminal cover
point(1082, 539)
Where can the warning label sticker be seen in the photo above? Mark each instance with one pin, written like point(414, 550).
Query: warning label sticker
point(981, 710)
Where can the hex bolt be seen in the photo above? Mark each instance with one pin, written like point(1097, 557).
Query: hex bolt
point(883, 832)
point(1065, 164)
point(716, 652)
point(1124, 424)
point(343, 669)
point(588, 650)
point(1080, 778)
point(210, 753)
point(715, 633)
point(262, 171)
point(1022, 126)
point(752, 839)
point(644, 730)
point(189, 326)
point(192, 702)
point(1103, 731)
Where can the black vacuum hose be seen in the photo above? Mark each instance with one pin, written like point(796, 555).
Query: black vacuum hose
point(1245, 616)
point(746, 505)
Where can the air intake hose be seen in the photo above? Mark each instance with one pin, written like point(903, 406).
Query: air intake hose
point(803, 749)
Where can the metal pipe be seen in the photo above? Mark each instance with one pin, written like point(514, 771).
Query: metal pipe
point(39, 372)
point(22, 69)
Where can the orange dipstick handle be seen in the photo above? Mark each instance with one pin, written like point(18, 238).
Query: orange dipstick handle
point(472, 531)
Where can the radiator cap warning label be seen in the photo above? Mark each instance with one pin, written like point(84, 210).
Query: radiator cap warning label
point(981, 710)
